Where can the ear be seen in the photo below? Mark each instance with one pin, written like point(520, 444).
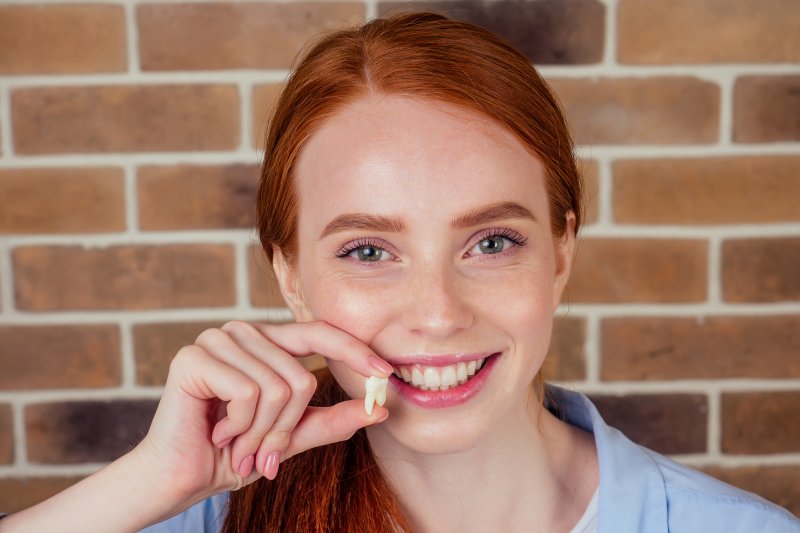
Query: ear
point(289, 284)
point(564, 248)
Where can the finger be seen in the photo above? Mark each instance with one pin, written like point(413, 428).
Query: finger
point(324, 425)
point(319, 337)
point(204, 377)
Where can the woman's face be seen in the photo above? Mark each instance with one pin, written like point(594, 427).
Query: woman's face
point(423, 230)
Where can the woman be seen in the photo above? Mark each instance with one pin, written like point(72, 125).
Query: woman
point(419, 203)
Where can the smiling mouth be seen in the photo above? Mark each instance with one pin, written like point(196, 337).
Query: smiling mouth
point(436, 378)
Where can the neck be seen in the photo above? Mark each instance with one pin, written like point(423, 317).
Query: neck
point(522, 475)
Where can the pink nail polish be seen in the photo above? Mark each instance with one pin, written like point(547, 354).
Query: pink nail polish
point(380, 364)
point(246, 465)
point(271, 468)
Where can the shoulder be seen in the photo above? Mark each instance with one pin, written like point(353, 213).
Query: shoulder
point(206, 516)
point(695, 498)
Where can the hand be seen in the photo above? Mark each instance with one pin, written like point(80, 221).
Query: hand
point(238, 395)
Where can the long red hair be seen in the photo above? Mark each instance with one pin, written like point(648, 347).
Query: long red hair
point(340, 487)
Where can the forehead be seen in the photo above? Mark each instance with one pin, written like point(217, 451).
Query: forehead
point(413, 159)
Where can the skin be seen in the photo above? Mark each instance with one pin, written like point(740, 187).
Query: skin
point(494, 462)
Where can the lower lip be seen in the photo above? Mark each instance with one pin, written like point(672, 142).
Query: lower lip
point(435, 399)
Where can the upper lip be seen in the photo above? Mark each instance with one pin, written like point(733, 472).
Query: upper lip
point(437, 359)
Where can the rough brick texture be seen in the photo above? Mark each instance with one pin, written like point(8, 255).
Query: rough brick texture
point(197, 197)
point(264, 289)
point(17, 494)
point(638, 270)
point(60, 39)
point(236, 34)
point(661, 110)
point(123, 277)
point(667, 423)
point(779, 484)
point(566, 359)
point(766, 109)
point(60, 356)
point(119, 118)
point(6, 435)
point(707, 190)
point(761, 422)
point(85, 432)
point(544, 30)
point(62, 200)
point(712, 31)
point(761, 270)
point(657, 348)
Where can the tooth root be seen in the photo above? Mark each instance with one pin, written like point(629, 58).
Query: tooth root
point(376, 391)
point(369, 402)
point(381, 396)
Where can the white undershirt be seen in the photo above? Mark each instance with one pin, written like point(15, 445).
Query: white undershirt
point(588, 522)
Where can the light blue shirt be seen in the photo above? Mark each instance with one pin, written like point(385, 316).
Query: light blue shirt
point(640, 490)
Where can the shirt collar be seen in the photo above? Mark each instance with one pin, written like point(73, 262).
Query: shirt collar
point(632, 492)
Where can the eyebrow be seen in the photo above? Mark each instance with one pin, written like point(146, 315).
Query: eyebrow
point(481, 215)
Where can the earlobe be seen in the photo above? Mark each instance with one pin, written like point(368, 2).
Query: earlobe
point(288, 282)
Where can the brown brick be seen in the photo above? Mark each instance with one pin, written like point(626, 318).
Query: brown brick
point(156, 344)
point(566, 360)
point(656, 348)
point(590, 171)
point(263, 99)
point(544, 31)
point(91, 431)
point(610, 270)
point(6, 436)
point(708, 190)
point(655, 110)
point(665, 32)
point(62, 200)
point(236, 34)
point(17, 493)
point(58, 39)
point(264, 289)
point(666, 423)
point(779, 484)
point(761, 270)
point(761, 422)
point(197, 197)
point(60, 356)
point(125, 118)
point(766, 108)
point(51, 278)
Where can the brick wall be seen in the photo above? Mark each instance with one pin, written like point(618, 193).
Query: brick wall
point(128, 161)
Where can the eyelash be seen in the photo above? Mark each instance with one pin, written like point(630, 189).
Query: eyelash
point(517, 239)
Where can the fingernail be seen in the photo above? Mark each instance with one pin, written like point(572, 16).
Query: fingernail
point(271, 468)
point(246, 465)
point(379, 364)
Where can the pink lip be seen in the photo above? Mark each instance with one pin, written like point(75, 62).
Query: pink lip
point(435, 399)
point(439, 360)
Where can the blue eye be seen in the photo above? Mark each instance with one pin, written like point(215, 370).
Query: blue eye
point(364, 250)
point(493, 242)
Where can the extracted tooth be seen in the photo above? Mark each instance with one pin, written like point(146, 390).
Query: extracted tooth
point(376, 391)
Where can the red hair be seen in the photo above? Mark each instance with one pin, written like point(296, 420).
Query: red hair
point(340, 487)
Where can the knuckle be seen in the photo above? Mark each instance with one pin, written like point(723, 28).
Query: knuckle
point(235, 326)
point(249, 391)
point(304, 383)
point(210, 335)
point(278, 393)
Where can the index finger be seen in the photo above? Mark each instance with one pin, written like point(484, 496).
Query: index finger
point(301, 339)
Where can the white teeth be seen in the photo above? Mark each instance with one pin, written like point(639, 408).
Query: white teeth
point(405, 373)
point(448, 376)
point(416, 377)
point(432, 378)
point(461, 372)
point(471, 368)
point(480, 363)
point(439, 377)
point(376, 392)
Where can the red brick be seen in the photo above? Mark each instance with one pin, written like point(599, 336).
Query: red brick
point(125, 118)
point(60, 39)
point(662, 348)
point(18, 493)
point(666, 423)
point(234, 35)
point(263, 99)
point(666, 32)
point(566, 359)
point(264, 289)
point(6, 436)
point(766, 109)
point(708, 190)
point(590, 171)
point(49, 278)
point(654, 110)
point(779, 484)
point(609, 270)
point(761, 422)
point(761, 270)
point(544, 31)
point(90, 431)
point(197, 197)
point(60, 356)
point(62, 200)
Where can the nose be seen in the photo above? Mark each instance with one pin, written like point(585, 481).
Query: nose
point(437, 304)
